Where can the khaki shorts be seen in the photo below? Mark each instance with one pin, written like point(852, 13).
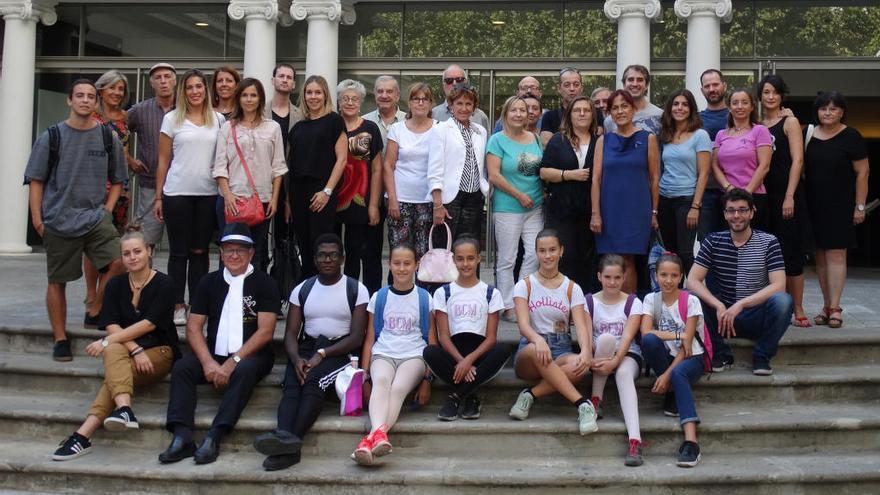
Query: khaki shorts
point(64, 254)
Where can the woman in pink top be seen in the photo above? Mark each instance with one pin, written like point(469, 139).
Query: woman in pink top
point(742, 153)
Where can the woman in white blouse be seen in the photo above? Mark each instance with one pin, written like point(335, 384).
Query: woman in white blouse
point(262, 147)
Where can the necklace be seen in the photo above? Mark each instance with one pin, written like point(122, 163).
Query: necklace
point(545, 277)
point(137, 287)
point(741, 129)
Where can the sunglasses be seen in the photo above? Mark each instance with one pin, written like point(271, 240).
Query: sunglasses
point(453, 80)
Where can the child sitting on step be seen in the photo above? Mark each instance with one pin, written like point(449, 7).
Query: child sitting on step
point(400, 325)
point(466, 315)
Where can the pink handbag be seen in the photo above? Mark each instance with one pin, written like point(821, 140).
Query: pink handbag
point(438, 265)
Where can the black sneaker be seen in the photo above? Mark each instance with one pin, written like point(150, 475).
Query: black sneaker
point(90, 321)
point(688, 454)
point(721, 363)
point(670, 407)
point(121, 419)
point(280, 461)
point(61, 351)
point(471, 408)
point(75, 446)
point(449, 409)
point(761, 367)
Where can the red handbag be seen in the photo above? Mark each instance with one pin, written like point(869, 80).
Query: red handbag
point(250, 209)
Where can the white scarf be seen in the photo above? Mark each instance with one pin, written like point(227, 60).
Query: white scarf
point(230, 328)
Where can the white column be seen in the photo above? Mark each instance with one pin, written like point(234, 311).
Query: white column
point(17, 99)
point(633, 19)
point(322, 52)
point(703, 39)
point(260, 17)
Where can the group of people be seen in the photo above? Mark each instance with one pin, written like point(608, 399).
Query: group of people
point(579, 190)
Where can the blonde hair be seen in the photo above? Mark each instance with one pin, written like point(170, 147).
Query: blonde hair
point(183, 108)
point(328, 103)
point(506, 108)
point(106, 80)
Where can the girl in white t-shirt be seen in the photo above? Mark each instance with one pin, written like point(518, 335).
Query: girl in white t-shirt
point(671, 346)
point(547, 303)
point(400, 325)
point(616, 316)
point(468, 354)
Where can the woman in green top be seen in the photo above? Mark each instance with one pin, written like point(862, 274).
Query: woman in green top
point(513, 159)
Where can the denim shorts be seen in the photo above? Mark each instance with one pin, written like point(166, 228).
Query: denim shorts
point(560, 344)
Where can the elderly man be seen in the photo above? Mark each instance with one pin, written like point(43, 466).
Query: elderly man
point(527, 86)
point(452, 76)
point(239, 305)
point(569, 87)
point(636, 81)
point(386, 91)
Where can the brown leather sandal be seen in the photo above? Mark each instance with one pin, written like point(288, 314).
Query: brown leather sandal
point(822, 318)
point(835, 321)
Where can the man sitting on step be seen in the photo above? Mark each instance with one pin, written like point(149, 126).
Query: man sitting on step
point(748, 297)
point(240, 305)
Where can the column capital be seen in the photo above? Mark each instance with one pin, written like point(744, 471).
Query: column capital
point(33, 10)
point(617, 9)
point(268, 10)
point(334, 10)
point(723, 9)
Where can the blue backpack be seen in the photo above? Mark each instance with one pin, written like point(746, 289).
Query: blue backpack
point(490, 289)
point(424, 311)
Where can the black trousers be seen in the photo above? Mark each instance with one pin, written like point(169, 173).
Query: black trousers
point(466, 211)
point(371, 253)
point(677, 237)
point(301, 403)
point(308, 224)
point(190, 223)
point(187, 373)
point(578, 260)
point(488, 365)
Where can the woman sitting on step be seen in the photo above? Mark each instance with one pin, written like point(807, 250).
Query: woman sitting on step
point(140, 346)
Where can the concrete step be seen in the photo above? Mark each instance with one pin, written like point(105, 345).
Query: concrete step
point(550, 431)
point(805, 384)
point(799, 346)
point(124, 470)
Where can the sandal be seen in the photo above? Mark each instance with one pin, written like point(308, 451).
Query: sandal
point(801, 322)
point(835, 321)
point(822, 318)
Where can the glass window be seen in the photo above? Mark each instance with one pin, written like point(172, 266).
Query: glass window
point(375, 33)
point(464, 30)
point(669, 36)
point(817, 29)
point(290, 41)
point(588, 33)
point(62, 38)
point(738, 36)
point(162, 30)
point(662, 85)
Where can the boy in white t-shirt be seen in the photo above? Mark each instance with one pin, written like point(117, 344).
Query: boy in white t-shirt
point(468, 354)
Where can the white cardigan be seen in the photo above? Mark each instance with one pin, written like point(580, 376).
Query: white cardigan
point(446, 157)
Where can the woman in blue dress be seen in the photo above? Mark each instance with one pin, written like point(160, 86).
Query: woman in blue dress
point(625, 191)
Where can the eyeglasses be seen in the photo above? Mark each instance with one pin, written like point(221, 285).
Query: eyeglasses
point(420, 99)
point(734, 211)
point(235, 251)
point(350, 99)
point(581, 110)
point(453, 80)
point(332, 256)
point(531, 87)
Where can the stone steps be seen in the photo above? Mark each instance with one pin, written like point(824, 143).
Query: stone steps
point(123, 470)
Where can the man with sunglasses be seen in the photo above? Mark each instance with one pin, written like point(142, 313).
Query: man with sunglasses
point(569, 87)
point(239, 305)
point(748, 297)
point(452, 76)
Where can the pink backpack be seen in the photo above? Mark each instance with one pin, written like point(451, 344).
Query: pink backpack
point(703, 337)
point(438, 264)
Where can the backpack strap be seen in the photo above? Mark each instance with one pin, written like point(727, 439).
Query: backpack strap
point(303, 296)
point(528, 281)
point(683, 305)
point(54, 148)
point(351, 290)
point(447, 291)
point(378, 316)
point(630, 299)
point(424, 312)
point(570, 290)
point(590, 303)
point(490, 290)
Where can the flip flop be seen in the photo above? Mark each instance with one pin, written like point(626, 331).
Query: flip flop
point(801, 322)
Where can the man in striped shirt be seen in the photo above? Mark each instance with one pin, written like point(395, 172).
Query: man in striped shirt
point(748, 298)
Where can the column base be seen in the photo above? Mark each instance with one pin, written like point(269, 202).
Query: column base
point(12, 248)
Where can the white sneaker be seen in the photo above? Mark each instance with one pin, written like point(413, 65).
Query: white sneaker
point(180, 316)
point(587, 418)
point(520, 409)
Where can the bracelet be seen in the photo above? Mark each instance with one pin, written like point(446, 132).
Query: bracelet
point(438, 207)
point(677, 336)
point(696, 206)
point(562, 177)
point(654, 212)
point(136, 352)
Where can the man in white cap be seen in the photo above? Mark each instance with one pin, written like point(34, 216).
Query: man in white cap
point(239, 305)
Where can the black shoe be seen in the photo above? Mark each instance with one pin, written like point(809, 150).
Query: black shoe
point(670, 407)
point(278, 442)
point(471, 407)
point(449, 409)
point(121, 419)
point(761, 367)
point(75, 446)
point(177, 451)
point(688, 454)
point(282, 461)
point(207, 451)
point(90, 321)
point(721, 363)
point(61, 351)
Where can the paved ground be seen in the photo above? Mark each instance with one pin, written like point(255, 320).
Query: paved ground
point(23, 288)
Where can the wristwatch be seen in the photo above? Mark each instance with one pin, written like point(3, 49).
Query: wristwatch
point(104, 342)
point(236, 358)
point(328, 191)
point(860, 207)
point(322, 352)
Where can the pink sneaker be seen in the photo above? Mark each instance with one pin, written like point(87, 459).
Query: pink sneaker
point(379, 440)
point(363, 454)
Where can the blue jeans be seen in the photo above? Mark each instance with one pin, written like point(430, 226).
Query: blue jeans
point(764, 324)
point(681, 377)
point(559, 343)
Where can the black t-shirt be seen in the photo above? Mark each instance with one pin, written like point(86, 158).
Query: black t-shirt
point(569, 199)
point(284, 123)
point(551, 121)
point(260, 295)
point(156, 305)
point(313, 146)
point(364, 144)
